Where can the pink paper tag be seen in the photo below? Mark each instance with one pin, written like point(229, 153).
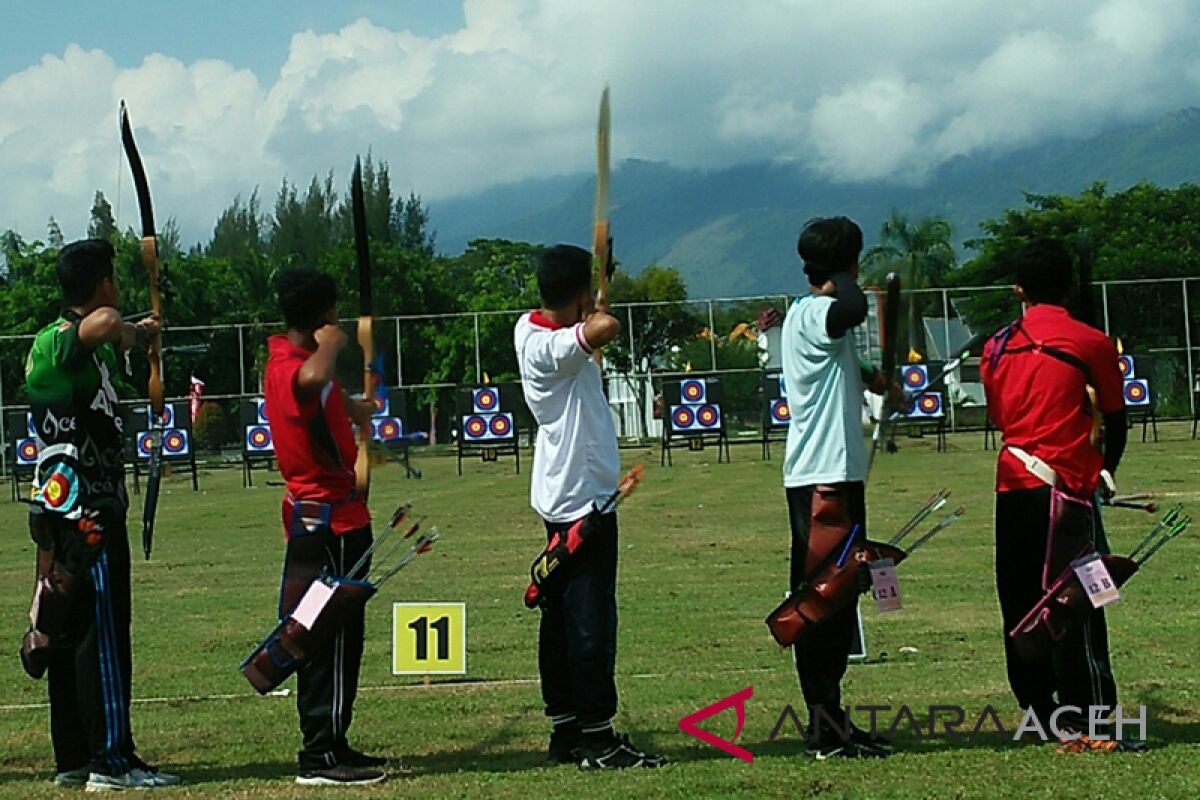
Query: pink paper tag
point(884, 586)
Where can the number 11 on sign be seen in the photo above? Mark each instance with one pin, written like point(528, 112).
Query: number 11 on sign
point(429, 638)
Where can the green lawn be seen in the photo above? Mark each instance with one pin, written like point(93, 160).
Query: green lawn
point(704, 558)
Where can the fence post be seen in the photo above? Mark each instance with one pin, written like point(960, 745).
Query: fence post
point(946, 353)
point(1187, 334)
point(399, 357)
point(241, 360)
point(478, 368)
point(712, 337)
point(3, 428)
point(1104, 305)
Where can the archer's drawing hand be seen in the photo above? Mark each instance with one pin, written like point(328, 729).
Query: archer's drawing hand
point(330, 337)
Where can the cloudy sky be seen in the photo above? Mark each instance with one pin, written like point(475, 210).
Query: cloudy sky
point(459, 96)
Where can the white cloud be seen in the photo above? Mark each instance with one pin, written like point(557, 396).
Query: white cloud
point(864, 90)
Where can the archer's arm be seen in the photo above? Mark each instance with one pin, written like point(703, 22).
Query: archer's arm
point(106, 325)
point(849, 307)
point(319, 369)
point(600, 328)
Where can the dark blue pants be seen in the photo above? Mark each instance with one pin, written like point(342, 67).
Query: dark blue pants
point(823, 654)
point(1077, 672)
point(90, 672)
point(327, 683)
point(577, 642)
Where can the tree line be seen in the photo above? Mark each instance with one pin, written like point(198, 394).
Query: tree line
point(1144, 231)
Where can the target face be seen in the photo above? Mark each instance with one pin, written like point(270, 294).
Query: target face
point(500, 426)
point(915, 376)
point(927, 405)
point(175, 443)
point(488, 427)
point(692, 391)
point(485, 400)
point(258, 439)
point(145, 444)
point(683, 418)
point(388, 430)
point(1137, 393)
point(167, 419)
point(382, 407)
point(708, 417)
point(261, 411)
point(27, 452)
point(60, 489)
point(475, 427)
point(780, 413)
point(1126, 364)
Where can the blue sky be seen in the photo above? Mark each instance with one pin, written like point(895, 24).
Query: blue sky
point(460, 95)
point(251, 34)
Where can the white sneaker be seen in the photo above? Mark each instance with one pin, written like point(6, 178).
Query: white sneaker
point(73, 777)
point(136, 778)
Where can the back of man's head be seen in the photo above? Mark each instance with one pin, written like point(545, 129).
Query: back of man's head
point(82, 267)
point(1044, 270)
point(564, 272)
point(829, 245)
point(306, 296)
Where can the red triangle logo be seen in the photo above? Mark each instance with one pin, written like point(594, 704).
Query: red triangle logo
point(737, 701)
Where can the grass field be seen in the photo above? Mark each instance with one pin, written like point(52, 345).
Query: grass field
point(704, 558)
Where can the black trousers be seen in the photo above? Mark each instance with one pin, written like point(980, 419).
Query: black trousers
point(327, 684)
point(823, 654)
point(90, 668)
point(577, 641)
point(1077, 672)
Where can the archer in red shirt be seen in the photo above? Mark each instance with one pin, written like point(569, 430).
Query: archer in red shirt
point(1037, 373)
point(327, 524)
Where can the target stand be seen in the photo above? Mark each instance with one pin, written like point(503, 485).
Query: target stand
point(258, 445)
point(1139, 401)
point(177, 446)
point(776, 415)
point(928, 410)
point(487, 422)
point(388, 428)
point(694, 419)
point(23, 441)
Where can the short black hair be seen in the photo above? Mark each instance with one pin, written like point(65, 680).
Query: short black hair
point(563, 273)
point(829, 245)
point(305, 297)
point(1044, 268)
point(82, 267)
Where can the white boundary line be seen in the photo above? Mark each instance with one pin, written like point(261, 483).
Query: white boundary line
point(467, 684)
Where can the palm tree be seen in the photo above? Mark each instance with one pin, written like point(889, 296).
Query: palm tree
point(922, 253)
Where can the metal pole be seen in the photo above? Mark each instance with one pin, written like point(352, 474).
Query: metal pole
point(946, 353)
point(3, 429)
point(478, 368)
point(632, 378)
point(1104, 304)
point(712, 337)
point(241, 359)
point(1187, 333)
point(399, 357)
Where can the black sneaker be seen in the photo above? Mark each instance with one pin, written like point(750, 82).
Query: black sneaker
point(565, 747)
point(826, 749)
point(617, 753)
point(340, 775)
point(867, 740)
point(350, 757)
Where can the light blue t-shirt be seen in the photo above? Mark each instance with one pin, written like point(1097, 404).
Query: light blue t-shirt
point(824, 388)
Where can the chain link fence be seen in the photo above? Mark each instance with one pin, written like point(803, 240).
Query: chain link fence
point(428, 355)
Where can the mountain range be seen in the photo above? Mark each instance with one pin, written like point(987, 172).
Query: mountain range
point(732, 231)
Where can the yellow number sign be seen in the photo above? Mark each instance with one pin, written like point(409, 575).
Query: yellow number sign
point(429, 638)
